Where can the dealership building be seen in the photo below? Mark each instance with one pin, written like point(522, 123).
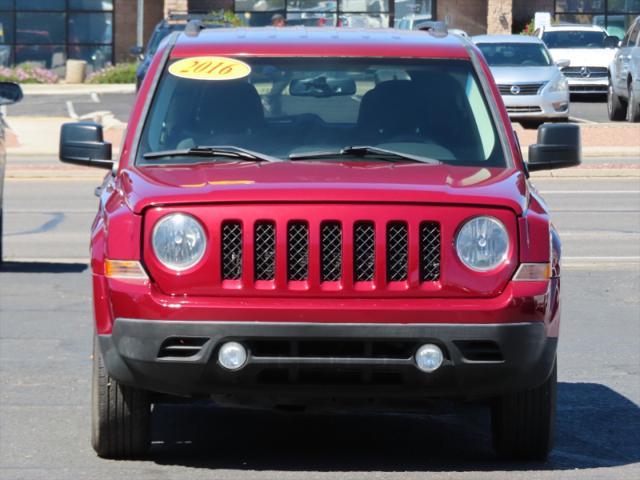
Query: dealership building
point(49, 32)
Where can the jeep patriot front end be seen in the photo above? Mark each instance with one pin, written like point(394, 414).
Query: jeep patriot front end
point(300, 217)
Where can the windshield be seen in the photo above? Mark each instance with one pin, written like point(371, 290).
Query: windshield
point(515, 54)
point(574, 39)
point(291, 107)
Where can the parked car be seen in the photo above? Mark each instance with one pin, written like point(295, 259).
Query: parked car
point(589, 50)
point(623, 96)
point(531, 84)
point(411, 21)
point(175, 22)
point(10, 93)
point(371, 244)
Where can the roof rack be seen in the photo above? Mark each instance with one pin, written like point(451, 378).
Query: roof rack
point(434, 27)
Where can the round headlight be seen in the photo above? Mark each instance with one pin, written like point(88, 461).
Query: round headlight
point(482, 244)
point(178, 241)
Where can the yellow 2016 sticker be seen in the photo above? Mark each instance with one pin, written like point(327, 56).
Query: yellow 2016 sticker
point(210, 68)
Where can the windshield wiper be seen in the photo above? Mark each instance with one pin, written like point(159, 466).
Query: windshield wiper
point(225, 151)
point(366, 151)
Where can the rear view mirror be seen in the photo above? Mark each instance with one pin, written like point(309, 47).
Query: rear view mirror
point(611, 41)
point(82, 143)
point(10, 93)
point(558, 147)
point(322, 86)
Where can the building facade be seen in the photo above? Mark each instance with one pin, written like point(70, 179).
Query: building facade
point(48, 32)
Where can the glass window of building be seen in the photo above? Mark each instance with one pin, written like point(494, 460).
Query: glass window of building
point(48, 32)
point(616, 16)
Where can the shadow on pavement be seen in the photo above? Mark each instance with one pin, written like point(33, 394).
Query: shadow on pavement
point(42, 267)
point(596, 427)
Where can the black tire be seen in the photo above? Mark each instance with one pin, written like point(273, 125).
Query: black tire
point(121, 415)
point(616, 108)
point(633, 106)
point(523, 423)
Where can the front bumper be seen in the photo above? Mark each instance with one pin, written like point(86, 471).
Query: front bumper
point(543, 106)
point(596, 85)
point(299, 362)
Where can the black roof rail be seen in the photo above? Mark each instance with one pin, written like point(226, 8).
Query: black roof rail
point(435, 27)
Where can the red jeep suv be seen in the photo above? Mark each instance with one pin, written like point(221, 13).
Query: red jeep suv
point(308, 218)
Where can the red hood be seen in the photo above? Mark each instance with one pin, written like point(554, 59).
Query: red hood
point(323, 182)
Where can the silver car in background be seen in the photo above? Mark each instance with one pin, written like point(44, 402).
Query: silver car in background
point(532, 86)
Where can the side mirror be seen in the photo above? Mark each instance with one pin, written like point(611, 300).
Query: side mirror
point(558, 147)
point(611, 41)
point(10, 93)
point(136, 51)
point(82, 143)
point(563, 63)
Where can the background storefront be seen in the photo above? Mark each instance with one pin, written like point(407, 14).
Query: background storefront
point(615, 15)
point(48, 32)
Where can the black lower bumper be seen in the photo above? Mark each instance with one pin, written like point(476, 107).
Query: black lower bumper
point(298, 361)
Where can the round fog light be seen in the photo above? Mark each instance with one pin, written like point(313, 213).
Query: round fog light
point(232, 356)
point(429, 357)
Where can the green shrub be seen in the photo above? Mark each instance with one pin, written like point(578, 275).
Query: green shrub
point(119, 73)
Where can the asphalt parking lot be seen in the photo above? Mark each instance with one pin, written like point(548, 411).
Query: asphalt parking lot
point(591, 108)
point(45, 366)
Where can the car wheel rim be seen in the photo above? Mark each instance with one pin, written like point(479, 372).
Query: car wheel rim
point(610, 99)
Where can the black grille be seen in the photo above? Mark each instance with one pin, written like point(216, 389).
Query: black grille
point(298, 251)
point(397, 252)
point(520, 89)
point(231, 251)
point(331, 252)
point(429, 252)
point(264, 241)
point(364, 251)
point(524, 109)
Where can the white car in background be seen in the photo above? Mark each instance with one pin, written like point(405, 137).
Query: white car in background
point(531, 85)
point(623, 97)
point(589, 50)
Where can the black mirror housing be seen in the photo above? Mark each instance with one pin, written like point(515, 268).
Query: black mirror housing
point(611, 41)
point(559, 146)
point(82, 143)
point(10, 93)
point(137, 50)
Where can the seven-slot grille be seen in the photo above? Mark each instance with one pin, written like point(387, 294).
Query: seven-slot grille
point(331, 251)
point(521, 89)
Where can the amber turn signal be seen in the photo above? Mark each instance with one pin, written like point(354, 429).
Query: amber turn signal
point(528, 272)
point(124, 269)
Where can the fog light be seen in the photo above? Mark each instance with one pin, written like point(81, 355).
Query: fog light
point(429, 357)
point(560, 106)
point(232, 356)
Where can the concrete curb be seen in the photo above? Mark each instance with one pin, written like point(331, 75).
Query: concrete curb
point(77, 89)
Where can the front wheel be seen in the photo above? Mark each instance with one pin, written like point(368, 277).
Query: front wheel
point(633, 106)
point(121, 415)
point(523, 423)
point(615, 108)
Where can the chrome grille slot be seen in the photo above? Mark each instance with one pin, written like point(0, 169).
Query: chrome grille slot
point(397, 251)
point(429, 251)
point(231, 250)
point(264, 240)
point(364, 251)
point(521, 89)
point(331, 241)
point(297, 251)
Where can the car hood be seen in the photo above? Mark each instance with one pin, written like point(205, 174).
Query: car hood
point(509, 75)
point(587, 57)
point(306, 181)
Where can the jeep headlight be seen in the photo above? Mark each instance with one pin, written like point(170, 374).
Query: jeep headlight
point(482, 243)
point(178, 241)
point(559, 84)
